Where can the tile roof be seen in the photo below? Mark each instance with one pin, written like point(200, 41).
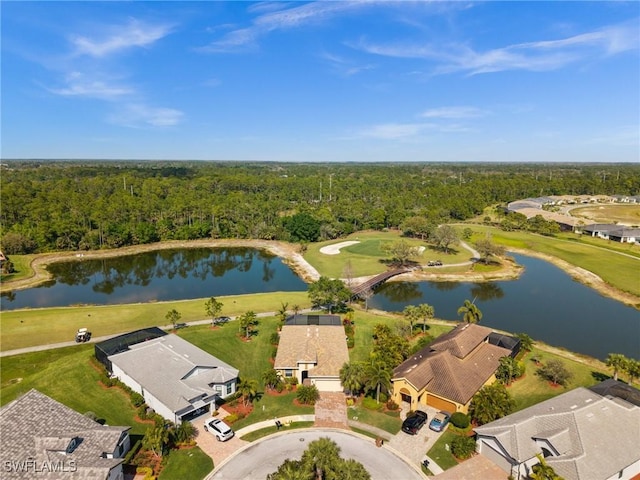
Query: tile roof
point(582, 427)
point(325, 345)
point(39, 428)
point(173, 370)
point(454, 366)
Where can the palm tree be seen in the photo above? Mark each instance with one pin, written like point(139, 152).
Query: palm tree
point(618, 362)
point(378, 376)
point(426, 312)
point(353, 470)
point(290, 470)
point(322, 456)
point(526, 342)
point(283, 312)
point(248, 389)
point(470, 312)
point(413, 314)
point(543, 471)
point(352, 377)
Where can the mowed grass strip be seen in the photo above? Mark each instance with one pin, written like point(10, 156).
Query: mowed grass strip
point(619, 271)
point(44, 326)
point(22, 267)
point(68, 376)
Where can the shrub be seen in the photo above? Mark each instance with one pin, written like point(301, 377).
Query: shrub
point(232, 417)
point(274, 339)
point(371, 404)
point(350, 402)
point(383, 397)
point(142, 412)
point(92, 416)
point(146, 471)
point(555, 372)
point(391, 405)
point(460, 420)
point(463, 447)
point(351, 342)
point(136, 399)
point(308, 394)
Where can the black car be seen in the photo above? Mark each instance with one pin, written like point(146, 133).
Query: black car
point(414, 422)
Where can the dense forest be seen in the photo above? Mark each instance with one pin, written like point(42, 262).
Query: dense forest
point(73, 205)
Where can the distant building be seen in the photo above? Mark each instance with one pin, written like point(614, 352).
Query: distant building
point(616, 233)
point(42, 438)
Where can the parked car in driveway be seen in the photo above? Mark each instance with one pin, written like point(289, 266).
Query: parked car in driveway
point(414, 422)
point(219, 429)
point(440, 421)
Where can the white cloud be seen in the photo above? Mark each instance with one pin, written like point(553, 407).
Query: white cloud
point(120, 37)
point(140, 115)
point(453, 112)
point(79, 85)
point(394, 131)
point(533, 56)
point(345, 67)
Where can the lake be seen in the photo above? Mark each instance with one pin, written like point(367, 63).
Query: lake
point(544, 302)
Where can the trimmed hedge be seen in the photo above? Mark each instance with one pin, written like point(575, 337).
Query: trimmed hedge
point(460, 420)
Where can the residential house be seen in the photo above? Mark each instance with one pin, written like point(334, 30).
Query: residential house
point(42, 438)
point(177, 379)
point(609, 231)
point(313, 349)
point(450, 370)
point(580, 434)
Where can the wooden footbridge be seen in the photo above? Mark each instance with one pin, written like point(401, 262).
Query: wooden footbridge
point(375, 281)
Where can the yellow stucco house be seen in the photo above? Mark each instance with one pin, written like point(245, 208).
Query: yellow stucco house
point(450, 370)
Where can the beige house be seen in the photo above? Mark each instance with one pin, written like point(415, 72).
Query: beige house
point(313, 353)
point(449, 371)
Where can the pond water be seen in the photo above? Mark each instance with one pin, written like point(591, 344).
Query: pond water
point(544, 302)
point(159, 276)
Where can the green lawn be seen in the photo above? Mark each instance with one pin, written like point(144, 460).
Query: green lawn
point(187, 464)
point(602, 258)
point(368, 258)
point(389, 422)
point(66, 375)
point(263, 432)
point(21, 265)
point(439, 453)
point(29, 327)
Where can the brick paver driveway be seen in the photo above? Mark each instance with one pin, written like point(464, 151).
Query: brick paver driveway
point(415, 447)
point(218, 451)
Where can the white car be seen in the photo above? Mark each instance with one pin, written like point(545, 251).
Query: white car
point(217, 427)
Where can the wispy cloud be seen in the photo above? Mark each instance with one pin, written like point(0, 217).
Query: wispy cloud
point(275, 16)
point(79, 85)
point(532, 56)
point(453, 112)
point(344, 66)
point(393, 131)
point(120, 37)
point(140, 115)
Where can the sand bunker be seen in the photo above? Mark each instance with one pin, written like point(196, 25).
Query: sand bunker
point(335, 248)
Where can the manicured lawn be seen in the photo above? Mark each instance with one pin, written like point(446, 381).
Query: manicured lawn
point(263, 432)
point(532, 389)
point(187, 464)
point(67, 376)
point(368, 258)
point(389, 422)
point(268, 407)
point(439, 453)
point(617, 270)
point(21, 266)
point(29, 327)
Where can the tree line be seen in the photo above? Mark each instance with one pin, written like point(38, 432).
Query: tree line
point(68, 205)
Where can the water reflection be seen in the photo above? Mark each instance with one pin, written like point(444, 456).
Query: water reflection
point(160, 275)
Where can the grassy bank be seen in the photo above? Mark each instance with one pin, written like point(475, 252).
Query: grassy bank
point(29, 327)
point(603, 258)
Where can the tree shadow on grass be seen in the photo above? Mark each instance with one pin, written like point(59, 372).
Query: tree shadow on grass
point(599, 376)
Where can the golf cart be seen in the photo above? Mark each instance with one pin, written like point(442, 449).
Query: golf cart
point(83, 335)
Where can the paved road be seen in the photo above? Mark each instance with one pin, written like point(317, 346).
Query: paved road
point(259, 459)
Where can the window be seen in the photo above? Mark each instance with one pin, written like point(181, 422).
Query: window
point(229, 388)
point(288, 373)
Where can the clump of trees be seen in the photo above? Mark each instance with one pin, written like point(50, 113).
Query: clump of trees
point(490, 403)
point(555, 372)
point(328, 293)
point(620, 363)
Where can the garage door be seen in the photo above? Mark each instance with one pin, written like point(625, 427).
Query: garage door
point(495, 457)
point(327, 385)
point(440, 404)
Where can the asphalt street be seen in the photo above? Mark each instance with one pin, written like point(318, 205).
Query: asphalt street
point(261, 458)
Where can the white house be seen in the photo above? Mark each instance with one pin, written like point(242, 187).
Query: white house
point(176, 378)
point(581, 434)
point(42, 438)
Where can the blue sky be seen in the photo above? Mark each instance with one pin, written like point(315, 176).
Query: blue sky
point(322, 81)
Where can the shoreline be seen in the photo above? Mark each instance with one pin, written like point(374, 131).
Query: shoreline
point(289, 254)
